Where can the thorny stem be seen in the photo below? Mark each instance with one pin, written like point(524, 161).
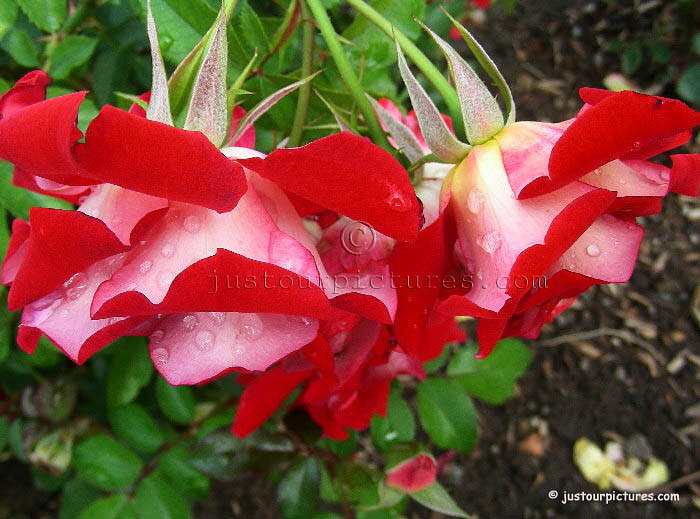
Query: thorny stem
point(307, 62)
point(347, 73)
point(431, 72)
point(285, 30)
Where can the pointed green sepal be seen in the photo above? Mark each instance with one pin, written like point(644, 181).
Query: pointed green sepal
point(403, 136)
point(434, 129)
point(159, 104)
point(489, 67)
point(207, 108)
point(480, 110)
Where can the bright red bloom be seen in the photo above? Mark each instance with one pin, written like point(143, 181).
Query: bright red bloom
point(199, 248)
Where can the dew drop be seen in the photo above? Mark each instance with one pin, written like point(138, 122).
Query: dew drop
point(665, 175)
point(297, 319)
point(167, 251)
point(145, 266)
point(475, 201)
point(636, 145)
point(397, 201)
point(593, 250)
point(157, 336)
point(117, 220)
point(190, 322)
point(191, 224)
point(204, 340)
point(251, 327)
point(490, 242)
point(164, 279)
point(75, 286)
point(218, 317)
point(160, 356)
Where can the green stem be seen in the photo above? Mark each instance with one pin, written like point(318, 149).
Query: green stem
point(285, 30)
point(348, 74)
point(307, 61)
point(430, 71)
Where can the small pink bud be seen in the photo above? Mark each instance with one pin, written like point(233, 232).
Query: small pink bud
point(414, 474)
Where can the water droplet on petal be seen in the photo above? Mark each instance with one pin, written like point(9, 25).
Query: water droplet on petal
point(75, 286)
point(204, 340)
point(190, 322)
point(167, 251)
point(218, 317)
point(593, 250)
point(397, 201)
point(298, 319)
point(636, 145)
point(191, 224)
point(475, 201)
point(251, 327)
point(616, 243)
point(490, 242)
point(160, 356)
point(284, 251)
point(164, 279)
point(157, 336)
point(145, 266)
point(665, 175)
point(117, 220)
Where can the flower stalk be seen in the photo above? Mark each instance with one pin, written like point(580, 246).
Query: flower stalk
point(307, 62)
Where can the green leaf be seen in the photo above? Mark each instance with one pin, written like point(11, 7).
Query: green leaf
point(174, 465)
point(696, 43)
point(436, 498)
point(155, 498)
point(4, 432)
point(21, 48)
point(398, 426)
point(132, 424)
point(688, 86)
point(69, 54)
point(117, 506)
point(660, 52)
point(8, 15)
point(250, 28)
point(491, 379)
point(15, 439)
point(447, 414)
point(436, 365)
point(106, 463)
point(632, 59)
point(357, 483)
point(176, 402)
point(298, 490)
point(129, 370)
point(340, 447)
point(48, 15)
point(76, 496)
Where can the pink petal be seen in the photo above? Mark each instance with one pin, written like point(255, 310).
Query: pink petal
point(64, 316)
point(607, 251)
point(71, 194)
point(191, 348)
point(60, 244)
point(120, 209)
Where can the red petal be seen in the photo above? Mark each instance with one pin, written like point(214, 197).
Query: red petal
point(263, 396)
point(247, 140)
point(685, 174)
point(351, 176)
point(60, 244)
point(240, 287)
point(159, 160)
point(413, 475)
point(615, 126)
point(39, 139)
point(27, 91)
